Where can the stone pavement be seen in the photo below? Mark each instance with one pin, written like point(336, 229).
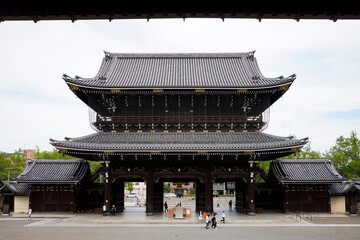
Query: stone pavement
point(137, 215)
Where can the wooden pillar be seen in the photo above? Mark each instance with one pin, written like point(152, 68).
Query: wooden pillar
point(158, 196)
point(107, 184)
point(250, 194)
point(239, 195)
point(150, 191)
point(117, 190)
point(200, 196)
point(208, 192)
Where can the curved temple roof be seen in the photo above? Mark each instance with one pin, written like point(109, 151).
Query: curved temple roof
point(179, 71)
point(305, 171)
point(178, 142)
point(345, 187)
point(14, 188)
point(53, 171)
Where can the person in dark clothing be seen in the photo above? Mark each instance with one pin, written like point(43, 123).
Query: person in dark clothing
point(166, 206)
point(113, 210)
point(230, 205)
point(213, 222)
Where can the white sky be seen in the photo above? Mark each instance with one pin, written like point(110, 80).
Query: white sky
point(35, 103)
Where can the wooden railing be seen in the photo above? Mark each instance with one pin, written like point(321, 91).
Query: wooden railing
point(179, 119)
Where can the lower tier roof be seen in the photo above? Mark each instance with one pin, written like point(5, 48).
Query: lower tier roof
point(54, 171)
point(338, 189)
point(178, 142)
point(302, 171)
point(13, 188)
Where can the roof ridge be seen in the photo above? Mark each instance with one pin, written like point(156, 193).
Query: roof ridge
point(180, 54)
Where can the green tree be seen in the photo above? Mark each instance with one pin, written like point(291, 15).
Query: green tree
point(345, 155)
point(166, 187)
point(306, 153)
point(94, 166)
point(54, 154)
point(130, 186)
point(5, 164)
point(15, 162)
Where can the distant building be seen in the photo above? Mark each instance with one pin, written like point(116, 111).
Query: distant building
point(30, 153)
point(139, 188)
point(181, 188)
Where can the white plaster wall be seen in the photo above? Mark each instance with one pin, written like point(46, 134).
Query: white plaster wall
point(21, 204)
point(337, 204)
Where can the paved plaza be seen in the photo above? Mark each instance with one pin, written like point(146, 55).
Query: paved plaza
point(133, 223)
point(58, 229)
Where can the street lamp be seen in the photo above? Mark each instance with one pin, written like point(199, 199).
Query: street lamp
point(9, 174)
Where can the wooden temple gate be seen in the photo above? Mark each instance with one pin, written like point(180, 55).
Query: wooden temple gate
point(203, 174)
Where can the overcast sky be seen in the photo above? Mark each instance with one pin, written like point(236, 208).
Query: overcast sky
point(36, 104)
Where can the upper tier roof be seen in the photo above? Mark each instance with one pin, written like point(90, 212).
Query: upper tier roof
point(179, 71)
point(54, 171)
point(305, 171)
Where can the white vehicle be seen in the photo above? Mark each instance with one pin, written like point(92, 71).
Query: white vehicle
point(132, 195)
point(169, 195)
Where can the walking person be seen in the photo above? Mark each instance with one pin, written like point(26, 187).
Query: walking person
point(29, 213)
point(230, 205)
point(166, 206)
point(200, 217)
point(113, 210)
point(207, 221)
point(223, 217)
point(104, 211)
point(218, 204)
point(213, 222)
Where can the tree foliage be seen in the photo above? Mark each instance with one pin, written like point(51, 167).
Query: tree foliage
point(11, 166)
point(306, 153)
point(130, 186)
point(54, 154)
point(345, 155)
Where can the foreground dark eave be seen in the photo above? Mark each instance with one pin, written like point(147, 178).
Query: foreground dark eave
point(302, 171)
point(66, 10)
point(121, 71)
point(178, 142)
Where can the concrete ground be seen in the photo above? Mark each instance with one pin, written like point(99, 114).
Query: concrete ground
point(133, 223)
point(46, 228)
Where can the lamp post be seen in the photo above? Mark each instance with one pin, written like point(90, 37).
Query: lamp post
point(9, 169)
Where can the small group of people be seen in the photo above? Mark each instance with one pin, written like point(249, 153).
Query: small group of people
point(210, 219)
point(230, 204)
point(112, 210)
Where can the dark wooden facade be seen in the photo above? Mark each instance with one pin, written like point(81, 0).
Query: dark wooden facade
point(179, 117)
point(307, 198)
point(305, 183)
point(52, 198)
point(54, 184)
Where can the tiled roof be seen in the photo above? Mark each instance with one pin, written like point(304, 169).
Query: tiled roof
point(192, 70)
point(345, 187)
point(18, 189)
point(305, 171)
point(178, 141)
point(54, 171)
